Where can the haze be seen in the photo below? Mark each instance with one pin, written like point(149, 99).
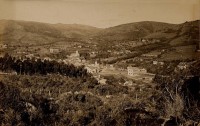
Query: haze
point(100, 13)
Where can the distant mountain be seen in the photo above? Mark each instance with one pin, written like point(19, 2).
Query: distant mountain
point(150, 29)
point(133, 31)
point(27, 32)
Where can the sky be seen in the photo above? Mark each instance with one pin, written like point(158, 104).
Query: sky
point(100, 13)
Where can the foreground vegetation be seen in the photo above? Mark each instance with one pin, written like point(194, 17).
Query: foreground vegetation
point(78, 99)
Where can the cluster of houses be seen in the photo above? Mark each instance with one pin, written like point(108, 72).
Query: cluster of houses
point(54, 50)
point(153, 54)
point(153, 40)
point(132, 71)
point(181, 66)
point(155, 62)
point(3, 46)
point(93, 68)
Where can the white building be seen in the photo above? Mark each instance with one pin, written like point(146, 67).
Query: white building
point(155, 62)
point(92, 54)
point(128, 83)
point(3, 46)
point(92, 69)
point(75, 55)
point(135, 70)
point(54, 50)
point(96, 64)
point(29, 56)
point(182, 65)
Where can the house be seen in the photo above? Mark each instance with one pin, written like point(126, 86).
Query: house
point(75, 58)
point(47, 58)
point(182, 65)
point(153, 54)
point(128, 83)
point(79, 46)
point(54, 50)
point(75, 55)
point(3, 46)
point(92, 54)
point(158, 63)
point(143, 40)
point(155, 40)
point(92, 69)
point(155, 62)
point(135, 70)
point(29, 56)
point(161, 63)
point(96, 64)
point(102, 80)
point(83, 60)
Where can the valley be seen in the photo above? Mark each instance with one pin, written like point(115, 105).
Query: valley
point(70, 74)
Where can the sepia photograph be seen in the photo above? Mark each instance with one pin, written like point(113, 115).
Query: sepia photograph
point(99, 62)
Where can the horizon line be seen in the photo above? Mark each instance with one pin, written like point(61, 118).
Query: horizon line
point(99, 27)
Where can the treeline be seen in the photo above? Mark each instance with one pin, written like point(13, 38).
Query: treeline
point(39, 66)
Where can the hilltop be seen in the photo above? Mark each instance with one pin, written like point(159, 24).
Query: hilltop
point(22, 31)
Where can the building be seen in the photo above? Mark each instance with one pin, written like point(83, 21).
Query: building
point(100, 79)
point(54, 50)
point(30, 56)
point(3, 46)
point(182, 65)
point(153, 54)
point(47, 58)
point(128, 83)
point(96, 64)
point(161, 63)
point(92, 69)
point(155, 62)
point(158, 63)
point(135, 70)
point(75, 55)
point(92, 54)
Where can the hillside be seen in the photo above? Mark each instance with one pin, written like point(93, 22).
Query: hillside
point(34, 33)
point(76, 30)
point(133, 31)
point(119, 39)
point(148, 29)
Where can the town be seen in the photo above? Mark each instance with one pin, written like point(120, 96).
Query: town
point(137, 74)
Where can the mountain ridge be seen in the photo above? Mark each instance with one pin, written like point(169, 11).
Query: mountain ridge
point(24, 31)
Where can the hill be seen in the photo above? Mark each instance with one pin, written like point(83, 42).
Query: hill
point(133, 31)
point(119, 39)
point(34, 33)
point(148, 29)
point(76, 30)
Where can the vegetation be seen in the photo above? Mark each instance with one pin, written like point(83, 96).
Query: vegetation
point(61, 100)
point(179, 97)
point(32, 66)
point(36, 92)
